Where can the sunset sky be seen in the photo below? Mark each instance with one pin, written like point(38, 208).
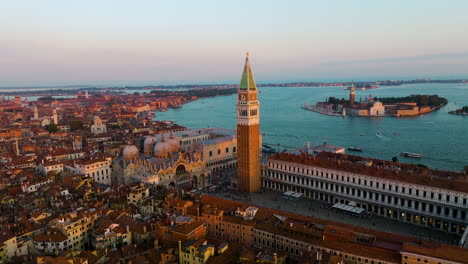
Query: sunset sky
point(109, 42)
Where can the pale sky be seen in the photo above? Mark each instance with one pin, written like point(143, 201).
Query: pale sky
point(112, 42)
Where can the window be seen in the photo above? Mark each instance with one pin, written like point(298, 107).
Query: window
point(219, 151)
point(242, 112)
point(211, 153)
point(234, 149)
point(227, 150)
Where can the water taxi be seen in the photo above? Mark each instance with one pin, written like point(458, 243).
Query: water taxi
point(411, 155)
point(355, 149)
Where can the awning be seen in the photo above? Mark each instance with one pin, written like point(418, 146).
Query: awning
point(348, 208)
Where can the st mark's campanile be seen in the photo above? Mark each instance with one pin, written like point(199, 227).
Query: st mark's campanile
point(248, 133)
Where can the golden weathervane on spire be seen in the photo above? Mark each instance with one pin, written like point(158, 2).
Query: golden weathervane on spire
point(247, 54)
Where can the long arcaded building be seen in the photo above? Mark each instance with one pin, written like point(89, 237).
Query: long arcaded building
point(408, 193)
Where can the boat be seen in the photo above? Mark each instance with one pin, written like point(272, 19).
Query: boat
point(355, 149)
point(362, 87)
point(411, 155)
point(362, 134)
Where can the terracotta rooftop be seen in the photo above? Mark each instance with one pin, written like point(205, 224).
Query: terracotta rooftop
point(188, 227)
point(337, 236)
point(444, 252)
point(50, 235)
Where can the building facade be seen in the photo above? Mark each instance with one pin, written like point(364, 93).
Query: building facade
point(98, 126)
point(439, 203)
point(97, 168)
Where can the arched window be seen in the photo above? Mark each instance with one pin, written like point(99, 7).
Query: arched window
point(227, 150)
point(234, 149)
point(211, 153)
point(219, 151)
point(180, 169)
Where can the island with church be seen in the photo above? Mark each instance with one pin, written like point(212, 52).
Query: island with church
point(412, 105)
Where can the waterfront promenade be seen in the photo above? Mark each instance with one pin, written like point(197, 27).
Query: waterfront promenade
point(320, 110)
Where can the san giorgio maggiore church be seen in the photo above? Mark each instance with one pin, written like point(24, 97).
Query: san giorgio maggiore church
point(188, 159)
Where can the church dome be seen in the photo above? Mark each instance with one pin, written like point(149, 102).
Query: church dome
point(174, 142)
point(130, 152)
point(162, 149)
point(148, 144)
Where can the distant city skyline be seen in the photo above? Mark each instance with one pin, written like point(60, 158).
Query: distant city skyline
point(54, 43)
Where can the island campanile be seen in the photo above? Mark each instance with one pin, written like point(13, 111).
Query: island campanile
point(248, 133)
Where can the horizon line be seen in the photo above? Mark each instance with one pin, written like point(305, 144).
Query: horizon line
point(82, 86)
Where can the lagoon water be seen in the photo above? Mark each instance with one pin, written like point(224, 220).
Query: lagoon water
point(441, 138)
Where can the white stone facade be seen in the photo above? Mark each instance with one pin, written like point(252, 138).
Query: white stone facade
point(420, 204)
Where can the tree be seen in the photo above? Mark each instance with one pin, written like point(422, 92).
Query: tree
point(395, 159)
point(111, 101)
point(52, 127)
point(45, 98)
point(466, 169)
point(76, 124)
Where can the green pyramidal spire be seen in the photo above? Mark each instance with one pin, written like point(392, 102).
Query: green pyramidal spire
point(247, 80)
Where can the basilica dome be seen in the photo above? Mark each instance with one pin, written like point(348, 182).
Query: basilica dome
point(162, 149)
point(148, 144)
point(130, 152)
point(174, 143)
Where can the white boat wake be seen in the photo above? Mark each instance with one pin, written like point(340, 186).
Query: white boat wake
point(382, 137)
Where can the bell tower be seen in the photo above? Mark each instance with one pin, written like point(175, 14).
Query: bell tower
point(352, 94)
point(248, 133)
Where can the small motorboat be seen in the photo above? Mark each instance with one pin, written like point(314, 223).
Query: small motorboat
point(355, 149)
point(411, 155)
point(362, 134)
